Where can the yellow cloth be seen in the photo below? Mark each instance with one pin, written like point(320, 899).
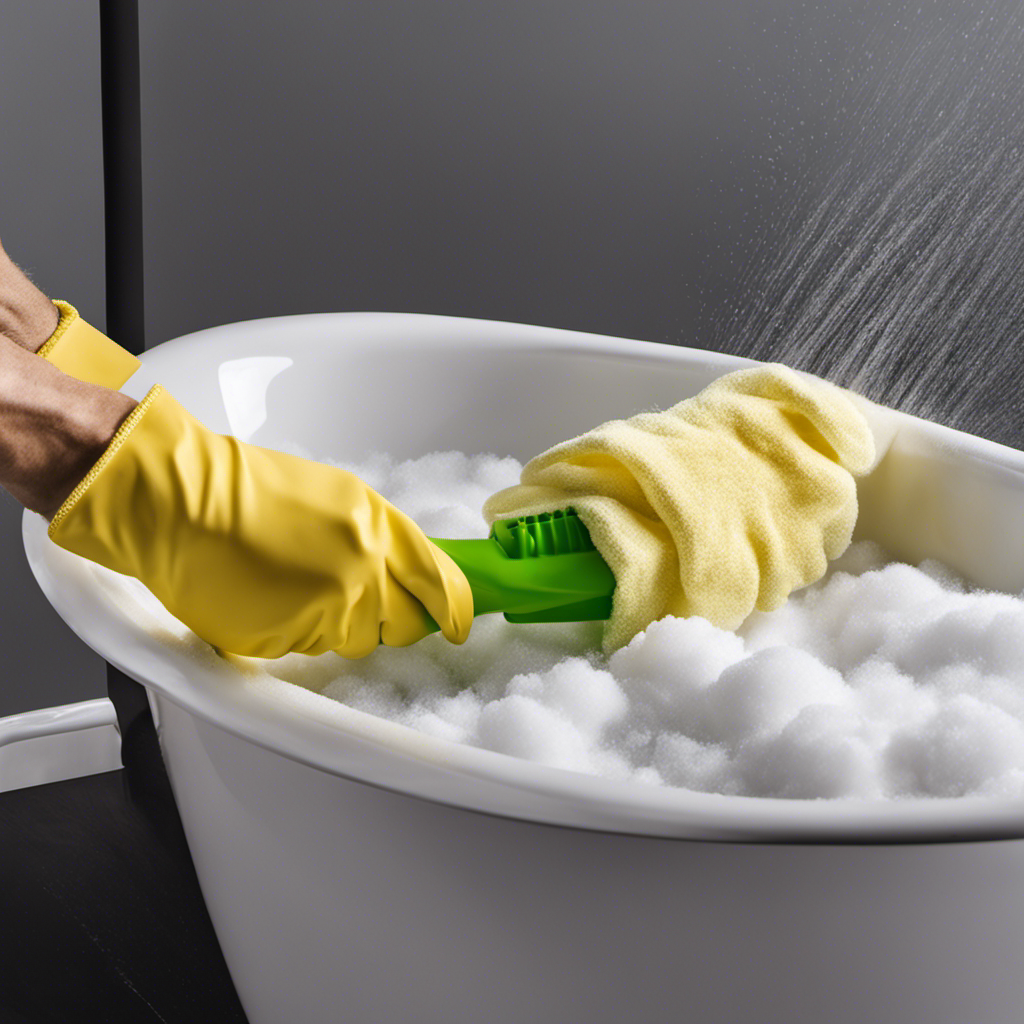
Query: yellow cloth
point(258, 552)
point(82, 352)
point(726, 502)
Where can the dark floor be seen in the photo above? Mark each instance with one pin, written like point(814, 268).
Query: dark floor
point(101, 915)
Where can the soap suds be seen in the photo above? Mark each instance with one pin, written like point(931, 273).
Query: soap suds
point(882, 680)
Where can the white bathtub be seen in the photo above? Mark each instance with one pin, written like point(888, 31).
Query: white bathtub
point(356, 870)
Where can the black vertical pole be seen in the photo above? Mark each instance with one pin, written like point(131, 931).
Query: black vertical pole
point(145, 777)
point(122, 171)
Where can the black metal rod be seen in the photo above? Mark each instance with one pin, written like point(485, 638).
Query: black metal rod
point(145, 779)
point(122, 171)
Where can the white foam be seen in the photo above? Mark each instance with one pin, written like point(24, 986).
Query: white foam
point(883, 680)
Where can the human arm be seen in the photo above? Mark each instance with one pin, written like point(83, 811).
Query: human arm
point(54, 330)
point(259, 552)
point(27, 317)
point(53, 428)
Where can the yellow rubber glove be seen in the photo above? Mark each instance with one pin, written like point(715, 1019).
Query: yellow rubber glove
point(82, 352)
point(258, 552)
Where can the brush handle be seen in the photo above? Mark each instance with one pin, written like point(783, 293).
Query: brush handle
point(572, 587)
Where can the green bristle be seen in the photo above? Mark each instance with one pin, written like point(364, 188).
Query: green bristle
point(549, 533)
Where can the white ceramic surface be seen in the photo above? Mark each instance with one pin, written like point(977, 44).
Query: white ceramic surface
point(335, 881)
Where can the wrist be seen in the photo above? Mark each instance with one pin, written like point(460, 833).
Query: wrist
point(84, 436)
point(27, 316)
point(53, 429)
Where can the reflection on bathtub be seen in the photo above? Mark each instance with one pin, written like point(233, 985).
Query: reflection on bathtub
point(243, 386)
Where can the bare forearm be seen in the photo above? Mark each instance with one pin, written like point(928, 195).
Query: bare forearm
point(53, 428)
point(27, 316)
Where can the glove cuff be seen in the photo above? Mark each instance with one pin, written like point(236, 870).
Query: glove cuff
point(120, 436)
point(88, 355)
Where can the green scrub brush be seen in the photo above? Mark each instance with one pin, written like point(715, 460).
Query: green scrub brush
point(542, 568)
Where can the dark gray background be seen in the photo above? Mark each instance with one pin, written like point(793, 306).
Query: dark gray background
point(588, 165)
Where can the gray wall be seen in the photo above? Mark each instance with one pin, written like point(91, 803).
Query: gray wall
point(576, 164)
point(588, 165)
point(51, 223)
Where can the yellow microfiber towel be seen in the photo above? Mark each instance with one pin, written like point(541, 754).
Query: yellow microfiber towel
point(726, 502)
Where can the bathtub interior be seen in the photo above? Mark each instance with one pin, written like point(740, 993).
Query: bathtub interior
point(513, 392)
point(342, 385)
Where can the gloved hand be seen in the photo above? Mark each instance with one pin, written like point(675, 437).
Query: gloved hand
point(82, 352)
point(258, 552)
